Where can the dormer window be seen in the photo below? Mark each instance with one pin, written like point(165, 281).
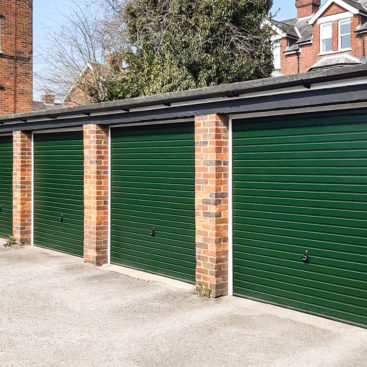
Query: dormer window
point(326, 37)
point(291, 42)
point(344, 34)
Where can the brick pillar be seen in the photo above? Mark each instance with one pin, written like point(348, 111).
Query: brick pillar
point(96, 177)
point(22, 187)
point(211, 140)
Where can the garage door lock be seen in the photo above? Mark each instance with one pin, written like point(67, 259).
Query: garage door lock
point(61, 218)
point(152, 232)
point(306, 257)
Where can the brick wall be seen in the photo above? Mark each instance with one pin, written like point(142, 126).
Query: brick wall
point(211, 203)
point(332, 10)
point(22, 187)
point(289, 63)
point(16, 56)
point(96, 180)
point(77, 97)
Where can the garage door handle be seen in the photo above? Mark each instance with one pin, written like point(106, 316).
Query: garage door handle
point(152, 232)
point(306, 257)
point(61, 218)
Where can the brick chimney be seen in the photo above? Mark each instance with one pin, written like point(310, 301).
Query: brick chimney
point(305, 8)
point(48, 98)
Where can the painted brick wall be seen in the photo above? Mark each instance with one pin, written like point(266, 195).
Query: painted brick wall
point(22, 187)
point(211, 203)
point(96, 180)
point(16, 56)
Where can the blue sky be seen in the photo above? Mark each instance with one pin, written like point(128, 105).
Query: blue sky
point(286, 9)
point(50, 14)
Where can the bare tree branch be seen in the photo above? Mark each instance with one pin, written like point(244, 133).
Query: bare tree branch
point(84, 41)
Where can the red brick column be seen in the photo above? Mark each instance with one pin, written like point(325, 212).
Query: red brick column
point(22, 187)
point(211, 161)
point(96, 177)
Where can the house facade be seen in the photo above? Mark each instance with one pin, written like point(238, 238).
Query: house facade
point(332, 34)
point(15, 56)
point(47, 102)
point(93, 78)
point(78, 93)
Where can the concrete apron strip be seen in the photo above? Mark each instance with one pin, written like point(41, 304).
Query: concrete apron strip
point(137, 274)
point(132, 273)
point(228, 305)
point(233, 305)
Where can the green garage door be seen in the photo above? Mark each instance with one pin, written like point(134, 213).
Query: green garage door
point(153, 199)
point(58, 192)
point(6, 180)
point(301, 184)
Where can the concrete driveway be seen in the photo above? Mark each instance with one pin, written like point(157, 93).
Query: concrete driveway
point(57, 311)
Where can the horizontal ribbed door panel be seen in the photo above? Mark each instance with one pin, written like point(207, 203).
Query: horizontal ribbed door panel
point(6, 189)
point(153, 186)
point(301, 184)
point(58, 191)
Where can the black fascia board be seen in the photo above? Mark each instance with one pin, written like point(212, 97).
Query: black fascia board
point(288, 101)
point(109, 111)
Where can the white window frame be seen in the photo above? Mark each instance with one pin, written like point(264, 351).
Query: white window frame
point(322, 26)
point(340, 23)
point(277, 55)
point(335, 17)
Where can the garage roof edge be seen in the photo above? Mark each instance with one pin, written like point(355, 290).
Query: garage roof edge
point(192, 96)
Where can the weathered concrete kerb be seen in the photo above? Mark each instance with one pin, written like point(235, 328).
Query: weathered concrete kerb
point(57, 311)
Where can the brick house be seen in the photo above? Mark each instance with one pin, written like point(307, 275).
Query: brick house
point(328, 35)
point(15, 56)
point(92, 77)
point(78, 94)
point(47, 102)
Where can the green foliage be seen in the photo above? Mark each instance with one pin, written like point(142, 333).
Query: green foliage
point(10, 241)
point(203, 291)
point(176, 45)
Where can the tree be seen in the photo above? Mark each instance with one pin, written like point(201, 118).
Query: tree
point(175, 45)
point(165, 45)
point(76, 53)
